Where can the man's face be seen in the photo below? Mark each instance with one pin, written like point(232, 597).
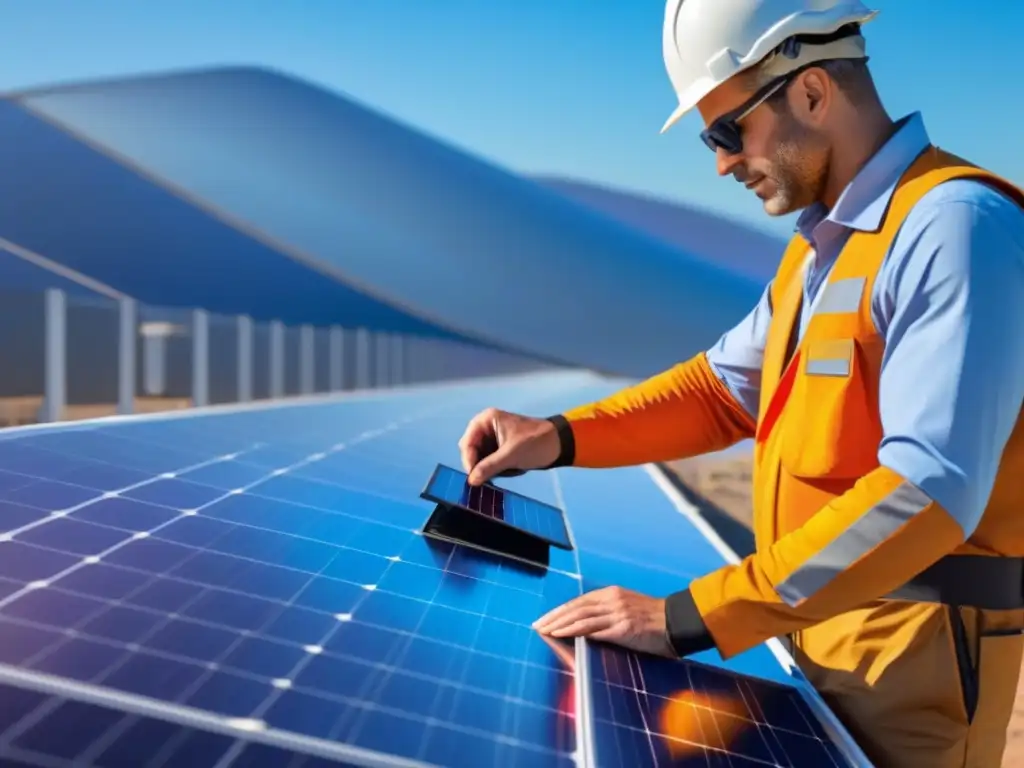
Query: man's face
point(784, 160)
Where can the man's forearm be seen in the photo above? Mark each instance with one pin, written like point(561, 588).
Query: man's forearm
point(857, 548)
point(683, 412)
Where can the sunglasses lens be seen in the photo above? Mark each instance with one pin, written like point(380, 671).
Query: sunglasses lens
point(725, 137)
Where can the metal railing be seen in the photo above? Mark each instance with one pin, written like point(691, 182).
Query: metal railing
point(77, 352)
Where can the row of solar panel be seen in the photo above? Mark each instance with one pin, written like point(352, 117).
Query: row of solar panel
point(259, 574)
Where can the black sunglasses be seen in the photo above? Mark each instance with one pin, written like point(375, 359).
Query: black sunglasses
point(726, 133)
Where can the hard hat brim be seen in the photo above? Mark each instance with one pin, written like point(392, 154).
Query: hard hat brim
point(674, 118)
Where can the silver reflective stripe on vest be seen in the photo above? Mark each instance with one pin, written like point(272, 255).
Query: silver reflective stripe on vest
point(824, 367)
point(876, 525)
point(841, 296)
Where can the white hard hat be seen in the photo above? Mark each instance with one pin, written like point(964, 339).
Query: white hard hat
point(708, 41)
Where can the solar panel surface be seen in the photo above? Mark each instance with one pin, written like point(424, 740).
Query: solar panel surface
point(658, 712)
point(450, 486)
point(248, 588)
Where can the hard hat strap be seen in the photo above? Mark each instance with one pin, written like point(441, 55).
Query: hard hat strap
point(790, 47)
point(800, 50)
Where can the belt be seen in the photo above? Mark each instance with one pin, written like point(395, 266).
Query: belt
point(990, 583)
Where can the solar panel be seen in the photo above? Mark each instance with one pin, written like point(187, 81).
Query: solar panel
point(252, 588)
point(651, 711)
point(545, 521)
point(318, 622)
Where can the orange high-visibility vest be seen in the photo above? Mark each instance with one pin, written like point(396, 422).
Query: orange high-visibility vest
point(918, 683)
point(819, 426)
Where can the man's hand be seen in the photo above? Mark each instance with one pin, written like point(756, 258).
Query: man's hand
point(496, 441)
point(614, 615)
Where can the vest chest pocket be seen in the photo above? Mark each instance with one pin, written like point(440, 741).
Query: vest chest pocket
point(831, 425)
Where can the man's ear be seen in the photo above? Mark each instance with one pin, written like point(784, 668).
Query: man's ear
point(811, 95)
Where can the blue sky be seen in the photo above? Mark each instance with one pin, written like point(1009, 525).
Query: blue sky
point(571, 87)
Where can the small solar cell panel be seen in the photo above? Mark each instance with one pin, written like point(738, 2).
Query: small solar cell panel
point(451, 486)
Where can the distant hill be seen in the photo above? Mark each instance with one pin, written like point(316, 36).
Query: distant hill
point(727, 242)
point(337, 213)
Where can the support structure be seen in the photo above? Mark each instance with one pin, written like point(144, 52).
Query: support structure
point(363, 371)
point(200, 358)
point(382, 356)
point(335, 356)
point(126, 355)
point(307, 360)
point(245, 357)
point(276, 358)
point(154, 357)
point(55, 372)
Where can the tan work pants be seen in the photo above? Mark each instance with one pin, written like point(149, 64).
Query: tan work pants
point(903, 678)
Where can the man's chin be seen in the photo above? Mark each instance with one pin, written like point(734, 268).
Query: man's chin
point(776, 206)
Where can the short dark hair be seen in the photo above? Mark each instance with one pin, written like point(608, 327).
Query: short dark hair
point(852, 76)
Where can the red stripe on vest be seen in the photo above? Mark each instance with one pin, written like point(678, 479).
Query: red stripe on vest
point(779, 399)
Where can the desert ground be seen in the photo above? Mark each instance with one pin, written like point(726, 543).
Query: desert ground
point(720, 486)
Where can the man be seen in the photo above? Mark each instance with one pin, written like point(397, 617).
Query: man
point(881, 376)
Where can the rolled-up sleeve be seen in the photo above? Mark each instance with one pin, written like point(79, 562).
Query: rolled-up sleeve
point(739, 354)
point(950, 304)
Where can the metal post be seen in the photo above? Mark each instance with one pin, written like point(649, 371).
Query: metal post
point(154, 357)
point(335, 353)
point(362, 359)
point(307, 361)
point(55, 372)
point(126, 365)
point(200, 358)
point(245, 348)
point(276, 358)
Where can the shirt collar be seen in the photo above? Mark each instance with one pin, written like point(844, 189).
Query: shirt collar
point(866, 198)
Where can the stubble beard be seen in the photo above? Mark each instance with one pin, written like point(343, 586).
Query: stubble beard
point(798, 171)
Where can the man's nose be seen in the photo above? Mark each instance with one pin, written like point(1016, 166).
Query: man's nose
point(725, 162)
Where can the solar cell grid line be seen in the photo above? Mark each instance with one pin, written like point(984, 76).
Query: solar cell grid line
point(9, 534)
point(283, 683)
point(680, 713)
point(523, 669)
point(656, 711)
point(156, 721)
point(158, 626)
point(219, 659)
point(17, 594)
point(139, 535)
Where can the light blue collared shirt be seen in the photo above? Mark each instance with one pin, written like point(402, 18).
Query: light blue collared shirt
point(949, 302)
